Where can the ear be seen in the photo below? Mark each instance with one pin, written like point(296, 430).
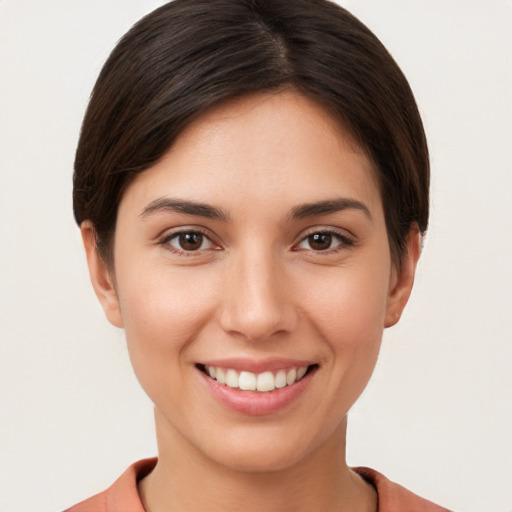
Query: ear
point(102, 278)
point(402, 278)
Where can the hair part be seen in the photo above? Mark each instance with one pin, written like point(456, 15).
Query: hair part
point(190, 55)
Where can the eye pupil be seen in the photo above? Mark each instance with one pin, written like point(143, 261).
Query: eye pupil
point(190, 241)
point(320, 241)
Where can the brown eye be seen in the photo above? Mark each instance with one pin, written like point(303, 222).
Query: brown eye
point(327, 241)
point(320, 241)
point(190, 241)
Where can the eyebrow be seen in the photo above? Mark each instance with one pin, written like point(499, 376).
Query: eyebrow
point(329, 206)
point(299, 212)
point(183, 206)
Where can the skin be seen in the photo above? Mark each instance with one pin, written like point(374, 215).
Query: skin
point(257, 287)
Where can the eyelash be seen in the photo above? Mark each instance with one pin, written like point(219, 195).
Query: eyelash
point(165, 241)
point(344, 241)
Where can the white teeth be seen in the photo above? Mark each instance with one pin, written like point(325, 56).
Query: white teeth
point(280, 379)
point(265, 382)
point(301, 372)
point(220, 375)
point(232, 379)
point(291, 376)
point(248, 381)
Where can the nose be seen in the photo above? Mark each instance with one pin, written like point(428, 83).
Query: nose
point(257, 300)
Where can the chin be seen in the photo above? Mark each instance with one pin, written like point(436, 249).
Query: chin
point(262, 450)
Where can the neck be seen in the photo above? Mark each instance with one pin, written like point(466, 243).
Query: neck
point(185, 479)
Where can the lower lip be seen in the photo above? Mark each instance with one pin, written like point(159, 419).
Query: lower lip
point(257, 403)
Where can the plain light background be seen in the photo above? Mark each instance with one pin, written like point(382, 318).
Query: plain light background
point(437, 415)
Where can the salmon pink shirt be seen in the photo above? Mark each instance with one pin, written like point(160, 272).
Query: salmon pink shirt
point(123, 496)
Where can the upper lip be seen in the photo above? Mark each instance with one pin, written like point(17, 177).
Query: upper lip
point(256, 365)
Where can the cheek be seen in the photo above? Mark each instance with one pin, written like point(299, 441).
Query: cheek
point(163, 312)
point(352, 325)
point(350, 306)
point(349, 315)
point(160, 297)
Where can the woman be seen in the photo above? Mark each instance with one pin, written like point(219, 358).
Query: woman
point(251, 184)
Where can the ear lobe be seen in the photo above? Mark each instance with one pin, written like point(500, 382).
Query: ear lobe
point(403, 278)
point(101, 277)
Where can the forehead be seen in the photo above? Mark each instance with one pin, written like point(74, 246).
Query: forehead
point(269, 149)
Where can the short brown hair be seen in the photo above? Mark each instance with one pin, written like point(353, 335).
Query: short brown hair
point(188, 55)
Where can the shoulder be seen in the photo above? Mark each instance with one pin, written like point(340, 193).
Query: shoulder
point(122, 496)
point(97, 503)
point(395, 498)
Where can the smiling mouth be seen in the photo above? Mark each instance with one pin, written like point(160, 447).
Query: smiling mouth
point(262, 382)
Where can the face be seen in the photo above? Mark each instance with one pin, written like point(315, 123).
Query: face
point(253, 279)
